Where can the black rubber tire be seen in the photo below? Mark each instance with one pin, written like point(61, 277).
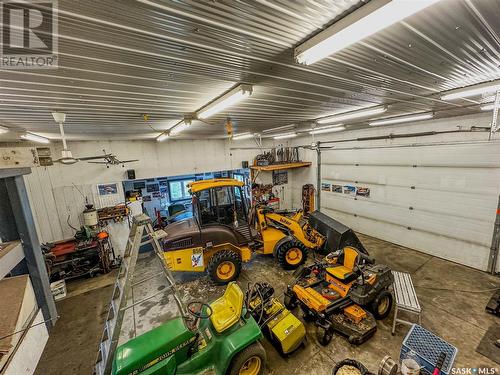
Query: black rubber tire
point(282, 250)
point(374, 306)
point(308, 316)
point(240, 358)
point(290, 302)
point(325, 336)
point(218, 258)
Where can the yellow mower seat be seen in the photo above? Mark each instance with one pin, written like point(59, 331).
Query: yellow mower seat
point(339, 272)
point(226, 310)
point(345, 270)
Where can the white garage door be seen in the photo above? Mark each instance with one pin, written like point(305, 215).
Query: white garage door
point(439, 199)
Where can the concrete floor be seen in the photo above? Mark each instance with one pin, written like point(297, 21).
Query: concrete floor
point(452, 298)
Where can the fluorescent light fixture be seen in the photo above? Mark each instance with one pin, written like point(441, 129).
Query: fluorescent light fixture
point(228, 99)
point(279, 128)
point(241, 136)
point(327, 129)
point(285, 136)
point(356, 26)
point(59, 117)
point(35, 138)
point(489, 107)
point(180, 127)
point(162, 137)
point(351, 115)
point(3, 129)
point(400, 119)
point(482, 88)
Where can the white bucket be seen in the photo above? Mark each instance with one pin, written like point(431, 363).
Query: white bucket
point(410, 367)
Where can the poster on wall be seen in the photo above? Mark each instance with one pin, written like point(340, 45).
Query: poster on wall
point(139, 185)
point(337, 188)
point(362, 191)
point(146, 198)
point(107, 189)
point(280, 177)
point(152, 187)
point(157, 194)
point(349, 190)
point(326, 186)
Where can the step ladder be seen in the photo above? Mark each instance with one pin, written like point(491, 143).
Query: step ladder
point(124, 287)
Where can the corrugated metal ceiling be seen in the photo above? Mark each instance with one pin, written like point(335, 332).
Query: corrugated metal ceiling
point(120, 59)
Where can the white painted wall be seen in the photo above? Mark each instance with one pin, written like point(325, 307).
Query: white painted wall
point(55, 200)
point(455, 194)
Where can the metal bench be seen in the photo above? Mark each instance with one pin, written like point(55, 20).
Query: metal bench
point(406, 299)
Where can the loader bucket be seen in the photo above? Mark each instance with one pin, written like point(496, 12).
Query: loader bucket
point(337, 234)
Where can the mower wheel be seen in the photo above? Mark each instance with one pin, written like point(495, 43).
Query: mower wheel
point(290, 302)
point(251, 361)
point(324, 336)
point(382, 305)
point(224, 267)
point(291, 254)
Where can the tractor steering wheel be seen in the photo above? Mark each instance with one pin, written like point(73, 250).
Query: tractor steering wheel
point(195, 308)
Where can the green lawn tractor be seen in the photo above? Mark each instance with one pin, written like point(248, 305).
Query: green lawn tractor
point(219, 338)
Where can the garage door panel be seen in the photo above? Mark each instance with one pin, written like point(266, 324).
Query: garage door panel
point(473, 180)
point(458, 251)
point(462, 155)
point(464, 228)
point(446, 194)
point(477, 206)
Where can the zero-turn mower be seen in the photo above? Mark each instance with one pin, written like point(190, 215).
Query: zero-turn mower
point(221, 235)
point(219, 338)
point(345, 293)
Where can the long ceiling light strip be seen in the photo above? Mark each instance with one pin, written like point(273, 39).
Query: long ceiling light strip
point(480, 89)
point(239, 137)
point(327, 129)
point(401, 119)
point(488, 107)
point(179, 128)
point(162, 137)
point(356, 26)
point(352, 115)
point(228, 99)
point(279, 128)
point(35, 138)
point(285, 136)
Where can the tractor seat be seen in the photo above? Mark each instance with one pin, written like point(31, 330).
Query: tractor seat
point(226, 310)
point(345, 269)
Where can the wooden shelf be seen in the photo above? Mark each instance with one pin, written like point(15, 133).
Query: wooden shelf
point(277, 167)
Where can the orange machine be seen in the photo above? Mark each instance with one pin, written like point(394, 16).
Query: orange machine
point(344, 293)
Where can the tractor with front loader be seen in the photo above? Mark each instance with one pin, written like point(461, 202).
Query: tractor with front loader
point(221, 234)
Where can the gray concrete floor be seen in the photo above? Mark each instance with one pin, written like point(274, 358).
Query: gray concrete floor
point(452, 297)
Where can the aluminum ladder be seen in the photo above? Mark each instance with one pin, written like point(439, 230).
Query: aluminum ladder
point(124, 286)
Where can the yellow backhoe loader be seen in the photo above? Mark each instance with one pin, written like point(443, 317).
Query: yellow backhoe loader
point(221, 235)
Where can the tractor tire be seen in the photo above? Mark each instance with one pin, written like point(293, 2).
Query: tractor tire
point(324, 336)
point(252, 359)
point(291, 254)
point(224, 267)
point(382, 305)
point(290, 302)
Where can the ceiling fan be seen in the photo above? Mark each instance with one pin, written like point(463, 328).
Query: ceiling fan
point(110, 159)
point(67, 158)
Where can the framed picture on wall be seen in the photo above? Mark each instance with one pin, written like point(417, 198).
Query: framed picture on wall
point(107, 189)
point(152, 188)
point(139, 185)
